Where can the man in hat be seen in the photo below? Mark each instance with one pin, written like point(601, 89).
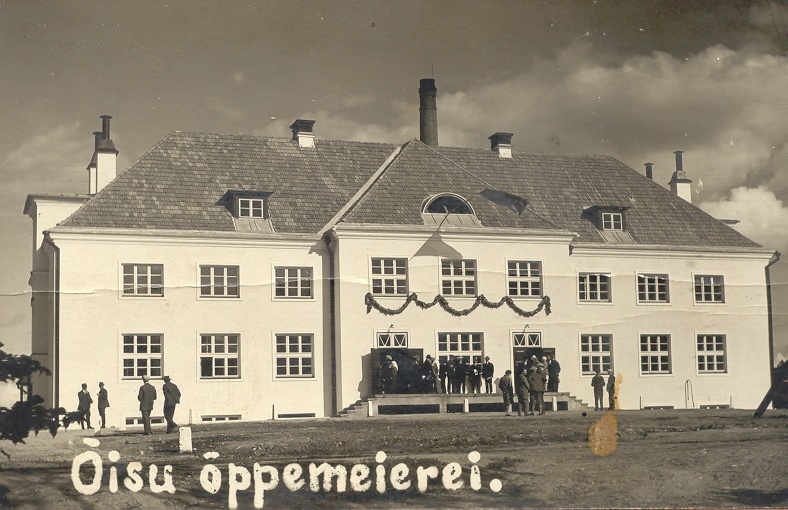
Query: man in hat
point(172, 397)
point(507, 389)
point(390, 375)
point(553, 369)
point(537, 379)
point(598, 383)
point(488, 369)
point(611, 389)
point(146, 396)
point(103, 403)
point(84, 405)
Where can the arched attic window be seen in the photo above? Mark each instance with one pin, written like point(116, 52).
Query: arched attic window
point(448, 209)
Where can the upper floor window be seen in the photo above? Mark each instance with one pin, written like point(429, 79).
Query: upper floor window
point(390, 339)
point(653, 288)
point(524, 278)
point(293, 282)
point(142, 355)
point(612, 221)
point(219, 281)
point(709, 289)
point(251, 207)
point(143, 279)
point(593, 287)
point(458, 277)
point(389, 276)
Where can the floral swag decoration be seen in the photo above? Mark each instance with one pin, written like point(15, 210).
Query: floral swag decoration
point(371, 303)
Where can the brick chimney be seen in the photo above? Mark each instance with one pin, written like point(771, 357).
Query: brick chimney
point(649, 170)
point(303, 132)
point(428, 112)
point(103, 166)
point(502, 144)
point(679, 182)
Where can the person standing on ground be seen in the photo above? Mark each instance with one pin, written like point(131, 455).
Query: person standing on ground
point(488, 369)
point(537, 379)
point(553, 369)
point(172, 397)
point(84, 404)
point(146, 396)
point(505, 384)
point(522, 389)
point(611, 389)
point(103, 403)
point(598, 382)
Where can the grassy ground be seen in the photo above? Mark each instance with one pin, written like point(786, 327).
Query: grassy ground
point(662, 459)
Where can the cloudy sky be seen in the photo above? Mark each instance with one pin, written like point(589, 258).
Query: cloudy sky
point(635, 80)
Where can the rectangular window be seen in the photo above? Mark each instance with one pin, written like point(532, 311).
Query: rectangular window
point(293, 282)
point(709, 289)
point(250, 207)
point(219, 281)
point(467, 346)
point(595, 353)
point(389, 339)
point(655, 354)
point(294, 355)
point(593, 287)
point(711, 354)
point(653, 288)
point(612, 221)
point(389, 276)
point(458, 277)
point(531, 339)
point(220, 356)
point(524, 278)
point(142, 355)
point(143, 279)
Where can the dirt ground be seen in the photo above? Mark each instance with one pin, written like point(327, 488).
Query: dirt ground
point(671, 459)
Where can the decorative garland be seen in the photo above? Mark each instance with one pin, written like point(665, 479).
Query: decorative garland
point(371, 303)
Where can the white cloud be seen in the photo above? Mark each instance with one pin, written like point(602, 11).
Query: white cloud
point(763, 217)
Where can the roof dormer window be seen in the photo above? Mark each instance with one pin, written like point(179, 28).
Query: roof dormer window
point(448, 209)
point(251, 207)
point(612, 221)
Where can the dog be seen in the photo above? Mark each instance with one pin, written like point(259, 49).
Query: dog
point(74, 417)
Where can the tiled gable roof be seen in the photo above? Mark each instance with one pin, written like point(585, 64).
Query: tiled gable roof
point(558, 188)
point(179, 184)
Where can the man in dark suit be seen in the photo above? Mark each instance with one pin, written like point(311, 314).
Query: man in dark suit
point(507, 390)
point(146, 396)
point(84, 404)
point(103, 403)
point(611, 389)
point(172, 397)
point(488, 370)
point(553, 369)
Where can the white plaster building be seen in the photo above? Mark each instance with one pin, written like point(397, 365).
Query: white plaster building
point(256, 272)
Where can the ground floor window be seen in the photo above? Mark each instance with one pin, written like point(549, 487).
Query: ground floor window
point(294, 355)
point(595, 353)
point(142, 355)
point(711, 354)
point(467, 346)
point(655, 354)
point(220, 356)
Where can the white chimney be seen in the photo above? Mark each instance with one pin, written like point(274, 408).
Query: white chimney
point(502, 144)
point(679, 182)
point(103, 166)
point(302, 132)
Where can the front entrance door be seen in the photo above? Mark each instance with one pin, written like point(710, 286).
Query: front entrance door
point(526, 344)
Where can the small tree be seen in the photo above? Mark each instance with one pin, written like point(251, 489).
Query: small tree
point(28, 414)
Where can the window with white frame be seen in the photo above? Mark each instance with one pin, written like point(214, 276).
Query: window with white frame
point(389, 276)
point(219, 281)
point(709, 289)
point(458, 277)
point(251, 207)
point(655, 354)
point(143, 279)
point(294, 357)
point(595, 353)
point(524, 278)
point(293, 282)
point(593, 287)
point(527, 339)
point(612, 221)
point(653, 288)
point(392, 339)
point(142, 355)
point(220, 356)
point(465, 346)
point(711, 354)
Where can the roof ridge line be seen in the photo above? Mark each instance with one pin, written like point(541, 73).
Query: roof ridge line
point(362, 191)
